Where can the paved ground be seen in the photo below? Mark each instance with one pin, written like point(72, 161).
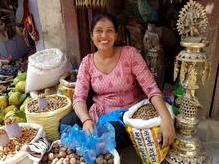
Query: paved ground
point(128, 155)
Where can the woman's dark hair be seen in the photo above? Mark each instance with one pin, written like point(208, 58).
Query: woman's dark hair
point(102, 16)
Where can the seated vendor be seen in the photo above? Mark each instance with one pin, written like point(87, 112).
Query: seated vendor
point(119, 78)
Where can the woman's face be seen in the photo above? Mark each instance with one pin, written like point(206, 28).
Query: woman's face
point(104, 34)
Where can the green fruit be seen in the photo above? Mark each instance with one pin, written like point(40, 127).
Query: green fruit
point(9, 108)
point(3, 102)
point(18, 115)
point(1, 117)
point(20, 77)
point(9, 114)
point(20, 86)
point(14, 98)
point(19, 119)
point(22, 107)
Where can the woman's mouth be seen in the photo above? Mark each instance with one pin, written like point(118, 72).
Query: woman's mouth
point(104, 41)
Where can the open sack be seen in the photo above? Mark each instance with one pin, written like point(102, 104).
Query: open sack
point(145, 133)
point(45, 68)
point(22, 157)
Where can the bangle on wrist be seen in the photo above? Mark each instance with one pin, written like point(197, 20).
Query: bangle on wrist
point(88, 119)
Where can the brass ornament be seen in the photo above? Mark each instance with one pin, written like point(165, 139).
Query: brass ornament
point(206, 72)
point(192, 21)
point(194, 65)
point(176, 69)
point(192, 77)
point(172, 1)
point(183, 71)
point(91, 3)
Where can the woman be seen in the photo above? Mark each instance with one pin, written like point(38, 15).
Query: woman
point(119, 77)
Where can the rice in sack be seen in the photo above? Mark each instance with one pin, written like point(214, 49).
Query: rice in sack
point(143, 125)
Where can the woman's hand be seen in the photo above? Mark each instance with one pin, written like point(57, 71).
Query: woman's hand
point(167, 123)
point(88, 126)
point(167, 131)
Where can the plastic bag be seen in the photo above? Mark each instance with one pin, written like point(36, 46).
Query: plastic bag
point(89, 146)
point(114, 116)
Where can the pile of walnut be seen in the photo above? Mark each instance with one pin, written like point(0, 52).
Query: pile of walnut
point(59, 154)
point(15, 144)
point(54, 102)
point(146, 112)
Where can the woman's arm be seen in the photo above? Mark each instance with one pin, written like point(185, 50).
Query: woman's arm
point(150, 88)
point(82, 88)
point(82, 112)
point(167, 123)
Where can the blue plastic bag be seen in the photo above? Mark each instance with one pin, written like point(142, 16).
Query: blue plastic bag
point(89, 146)
point(114, 116)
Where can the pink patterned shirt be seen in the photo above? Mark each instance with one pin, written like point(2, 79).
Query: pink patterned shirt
point(128, 83)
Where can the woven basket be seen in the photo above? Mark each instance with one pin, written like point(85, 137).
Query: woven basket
point(49, 120)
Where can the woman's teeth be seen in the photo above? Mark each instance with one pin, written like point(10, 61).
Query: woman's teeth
point(104, 41)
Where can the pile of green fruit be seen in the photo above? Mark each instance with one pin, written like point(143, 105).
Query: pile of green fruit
point(13, 103)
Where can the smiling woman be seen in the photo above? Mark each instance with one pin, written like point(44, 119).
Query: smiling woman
point(119, 78)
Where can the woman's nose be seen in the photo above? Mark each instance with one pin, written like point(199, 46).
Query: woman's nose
point(104, 34)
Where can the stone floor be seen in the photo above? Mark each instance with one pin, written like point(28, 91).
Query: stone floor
point(129, 156)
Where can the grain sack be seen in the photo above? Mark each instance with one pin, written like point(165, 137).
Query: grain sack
point(21, 157)
point(142, 123)
point(58, 107)
point(45, 68)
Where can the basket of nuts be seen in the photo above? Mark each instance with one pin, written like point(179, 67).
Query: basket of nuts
point(143, 125)
point(11, 148)
point(47, 111)
point(58, 153)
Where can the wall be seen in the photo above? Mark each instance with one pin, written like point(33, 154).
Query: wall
point(52, 26)
point(205, 94)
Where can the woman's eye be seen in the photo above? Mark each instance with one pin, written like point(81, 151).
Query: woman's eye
point(110, 30)
point(98, 31)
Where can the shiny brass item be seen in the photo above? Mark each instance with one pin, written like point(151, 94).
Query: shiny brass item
point(192, 67)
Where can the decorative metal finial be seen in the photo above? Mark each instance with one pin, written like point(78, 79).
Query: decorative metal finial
point(192, 20)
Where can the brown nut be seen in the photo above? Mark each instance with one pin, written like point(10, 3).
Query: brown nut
point(82, 159)
point(108, 156)
point(104, 161)
point(61, 154)
point(72, 155)
point(45, 158)
point(59, 162)
point(68, 151)
point(99, 160)
point(63, 148)
point(55, 161)
point(66, 161)
point(51, 156)
point(73, 160)
point(110, 161)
